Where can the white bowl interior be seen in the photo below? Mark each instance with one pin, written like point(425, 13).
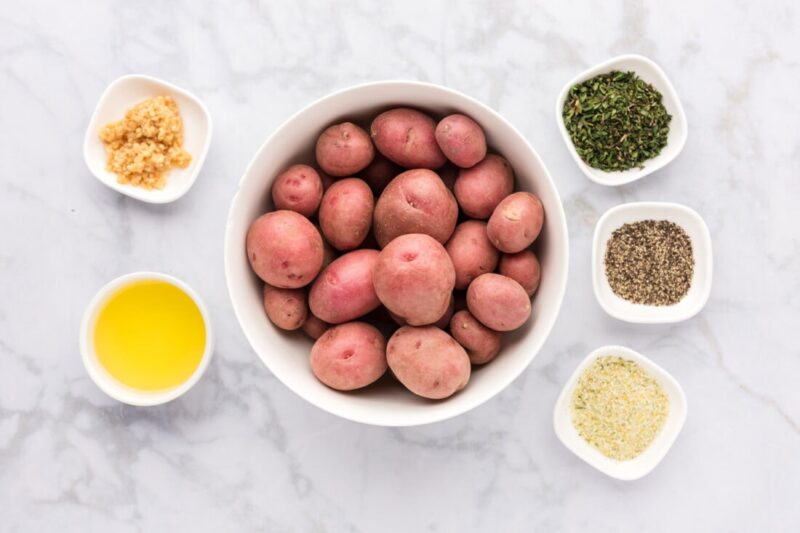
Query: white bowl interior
point(678, 130)
point(123, 94)
point(108, 383)
point(386, 403)
point(700, 288)
point(644, 463)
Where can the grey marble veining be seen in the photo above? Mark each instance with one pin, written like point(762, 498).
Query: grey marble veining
point(241, 452)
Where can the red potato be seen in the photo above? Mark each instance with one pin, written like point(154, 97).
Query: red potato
point(406, 136)
point(461, 139)
point(523, 267)
point(299, 189)
point(349, 356)
point(428, 361)
point(414, 278)
point(442, 323)
point(284, 249)
point(345, 214)
point(500, 303)
point(344, 290)
point(481, 343)
point(314, 327)
point(344, 150)
point(479, 189)
point(286, 308)
point(516, 222)
point(471, 252)
point(416, 201)
point(379, 173)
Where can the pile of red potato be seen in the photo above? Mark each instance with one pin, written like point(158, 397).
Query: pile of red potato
point(444, 250)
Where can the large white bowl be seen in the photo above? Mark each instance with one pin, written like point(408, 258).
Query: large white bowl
point(386, 403)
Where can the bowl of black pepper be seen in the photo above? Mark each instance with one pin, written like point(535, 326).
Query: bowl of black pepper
point(652, 262)
point(621, 120)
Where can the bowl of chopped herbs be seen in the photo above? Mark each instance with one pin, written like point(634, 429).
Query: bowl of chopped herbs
point(621, 120)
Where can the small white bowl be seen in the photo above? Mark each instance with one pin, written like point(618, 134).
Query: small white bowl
point(103, 378)
point(652, 74)
point(121, 95)
point(647, 461)
point(700, 289)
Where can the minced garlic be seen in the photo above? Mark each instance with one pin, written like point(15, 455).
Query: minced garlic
point(147, 143)
point(618, 407)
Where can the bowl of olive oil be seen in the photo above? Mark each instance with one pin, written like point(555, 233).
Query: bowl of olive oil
point(146, 338)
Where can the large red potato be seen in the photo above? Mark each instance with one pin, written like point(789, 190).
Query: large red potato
point(498, 302)
point(406, 136)
point(344, 290)
point(349, 356)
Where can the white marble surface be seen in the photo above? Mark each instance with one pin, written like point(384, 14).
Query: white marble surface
point(241, 452)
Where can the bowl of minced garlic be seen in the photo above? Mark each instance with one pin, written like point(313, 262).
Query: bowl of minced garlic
point(620, 412)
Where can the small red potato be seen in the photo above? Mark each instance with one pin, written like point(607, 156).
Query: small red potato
point(406, 136)
point(516, 222)
point(479, 189)
point(471, 252)
point(481, 343)
point(523, 267)
point(428, 361)
point(349, 356)
point(461, 139)
point(344, 290)
point(344, 149)
point(345, 214)
point(284, 249)
point(286, 308)
point(442, 323)
point(299, 189)
point(414, 278)
point(416, 201)
point(314, 327)
point(379, 173)
point(500, 303)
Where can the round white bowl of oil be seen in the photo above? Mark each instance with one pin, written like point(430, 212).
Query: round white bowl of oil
point(113, 385)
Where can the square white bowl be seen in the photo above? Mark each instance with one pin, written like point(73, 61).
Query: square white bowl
point(648, 71)
point(121, 95)
point(642, 464)
point(700, 288)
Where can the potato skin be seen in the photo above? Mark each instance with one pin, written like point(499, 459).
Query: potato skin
point(298, 189)
point(498, 302)
point(461, 139)
point(471, 252)
point(344, 290)
point(406, 136)
point(349, 356)
point(481, 343)
point(442, 323)
point(516, 222)
point(345, 214)
point(523, 267)
point(479, 189)
point(414, 278)
point(416, 201)
point(428, 361)
point(379, 173)
point(315, 327)
point(284, 249)
point(344, 149)
point(286, 308)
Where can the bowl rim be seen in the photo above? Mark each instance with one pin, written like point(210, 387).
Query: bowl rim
point(561, 220)
point(668, 316)
point(105, 381)
point(198, 159)
point(634, 174)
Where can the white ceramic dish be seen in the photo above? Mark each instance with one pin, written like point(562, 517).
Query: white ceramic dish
point(700, 289)
point(121, 95)
point(647, 461)
point(286, 355)
point(100, 375)
point(652, 74)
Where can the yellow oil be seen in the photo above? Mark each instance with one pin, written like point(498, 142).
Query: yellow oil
point(150, 335)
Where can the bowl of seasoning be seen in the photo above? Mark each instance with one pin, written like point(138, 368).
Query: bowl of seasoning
point(620, 412)
point(147, 139)
point(621, 120)
point(652, 262)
